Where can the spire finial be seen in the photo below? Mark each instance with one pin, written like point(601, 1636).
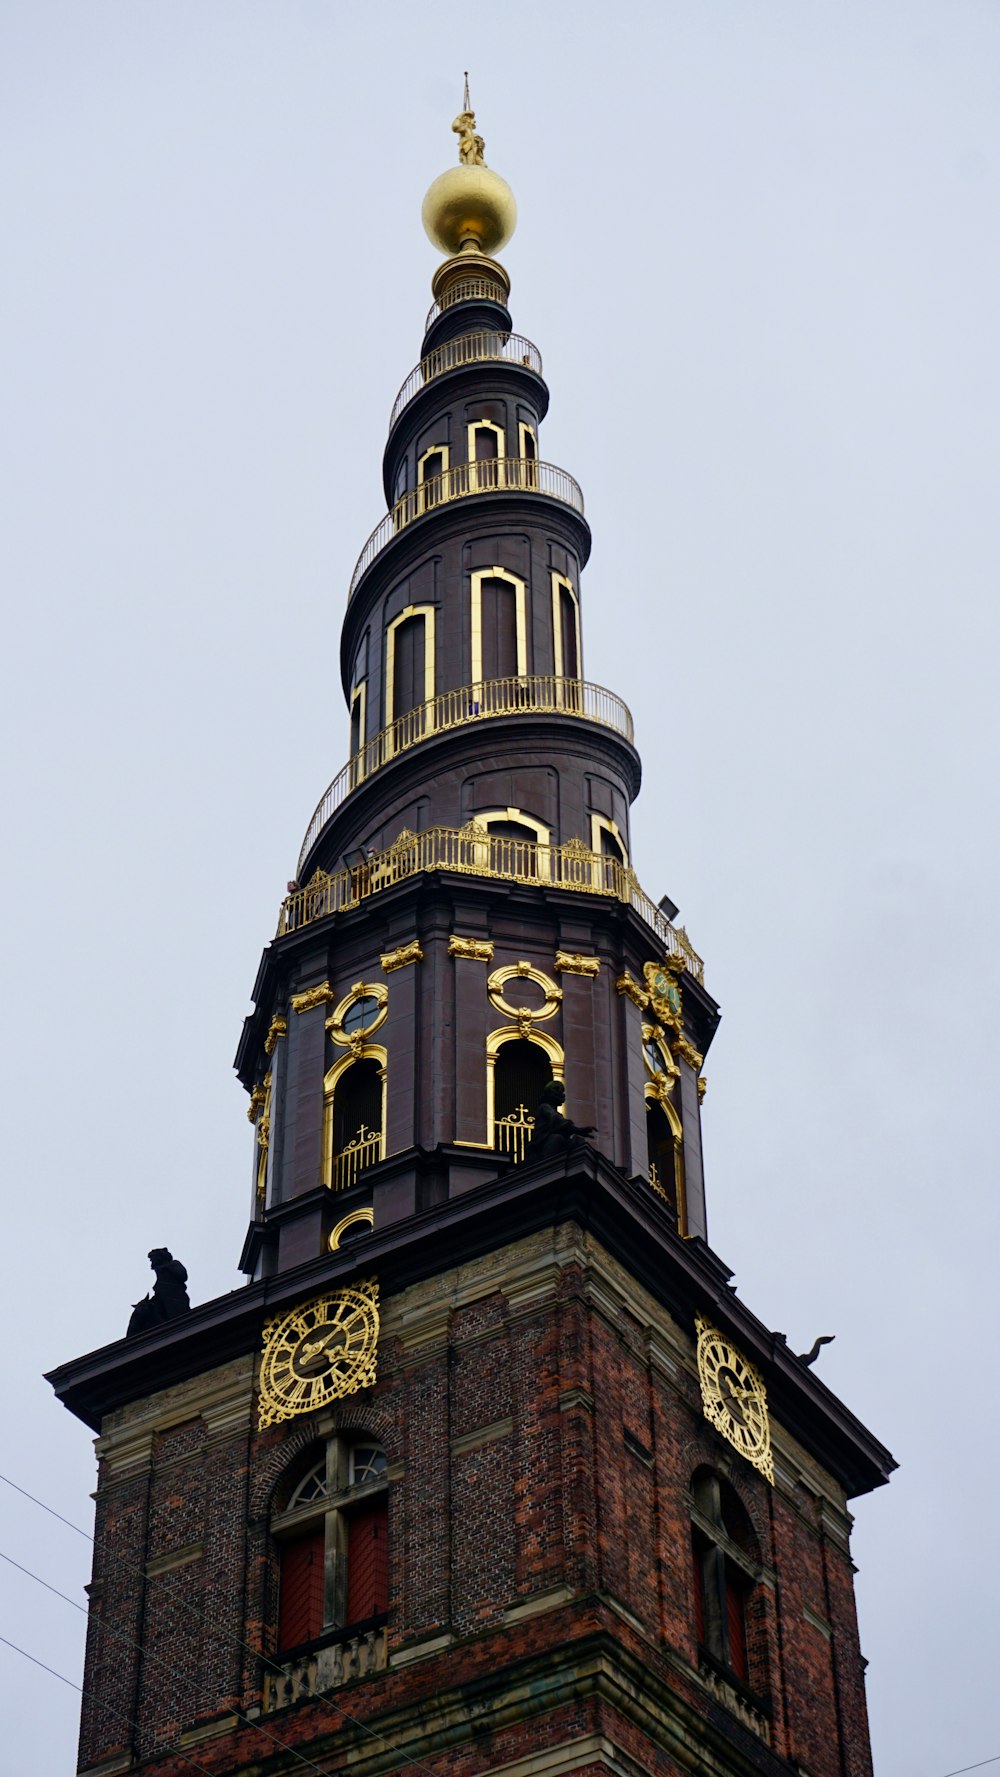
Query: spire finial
point(471, 148)
point(469, 209)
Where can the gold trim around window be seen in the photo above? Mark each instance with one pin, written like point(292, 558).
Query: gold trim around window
point(475, 426)
point(525, 430)
point(364, 1052)
point(350, 1221)
point(653, 1096)
point(476, 621)
point(560, 582)
point(359, 753)
point(436, 450)
point(599, 824)
point(485, 818)
point(511, 1033)
point(428, 613)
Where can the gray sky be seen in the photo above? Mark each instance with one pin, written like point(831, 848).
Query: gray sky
point(758, 249)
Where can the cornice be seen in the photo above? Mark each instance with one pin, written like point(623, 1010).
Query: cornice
point(686, 1276)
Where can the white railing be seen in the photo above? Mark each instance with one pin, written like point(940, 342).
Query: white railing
point(494, 475)
point(469, 348)
point(535, 695)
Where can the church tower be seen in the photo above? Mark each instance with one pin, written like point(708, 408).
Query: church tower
point(487, 1469)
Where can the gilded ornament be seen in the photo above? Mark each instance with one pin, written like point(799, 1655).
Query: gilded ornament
point(686, 1051)
point(523, 1016)
point(471, 146)
point(398, 959)
point(313, 996)
point(478, 950)
point(359, 1013)
point(628, 985)
point(319, 1352)
point(664, 991)
point(469, 209)
point(702, 1084)
point(278, 1028)
point(572, 962)
point(257, 1097)
point(733, 1397)
point(575, 848)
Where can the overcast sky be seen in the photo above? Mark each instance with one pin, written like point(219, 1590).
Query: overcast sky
point(758, 250)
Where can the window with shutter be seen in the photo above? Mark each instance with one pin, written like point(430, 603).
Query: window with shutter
point(367, 1562)
point(300, 1601)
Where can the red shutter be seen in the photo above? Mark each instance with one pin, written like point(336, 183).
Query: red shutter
point(300, 1614)
point(736, 1628)
point(367, 1562)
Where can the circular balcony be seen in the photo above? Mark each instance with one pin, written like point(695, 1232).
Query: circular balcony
point(496, 475)
point(468, 290)
point(544, 695)
point(469, 348)
point(473, 851)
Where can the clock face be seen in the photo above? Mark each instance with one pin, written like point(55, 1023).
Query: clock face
point(319, 1352)
point(734, 1397)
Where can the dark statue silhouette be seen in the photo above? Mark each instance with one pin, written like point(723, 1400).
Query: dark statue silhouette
point(554, 1135)
point(169, 1297)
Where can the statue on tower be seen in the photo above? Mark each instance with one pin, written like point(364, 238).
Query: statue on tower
point(555, 1135)
point(169, 1298)
point(471, 147)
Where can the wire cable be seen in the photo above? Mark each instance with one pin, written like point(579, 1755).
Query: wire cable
point(86, 1692)
point(157, 1661)
point(983, 1761)
point(231, 1640)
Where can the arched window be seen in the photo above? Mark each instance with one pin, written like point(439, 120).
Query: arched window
point(487, 451)
point(607, 838)
point(409, 677)
point(726, 1565)
point(359, 703)
point(518, 844)
point(498, 650)
point(664, 1129)
point(565, 628)
point(331, 1529)
point(430, 469)
point(517, 1068)
point(353, 1116)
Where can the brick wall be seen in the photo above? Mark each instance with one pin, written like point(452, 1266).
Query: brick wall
point(542, 1421)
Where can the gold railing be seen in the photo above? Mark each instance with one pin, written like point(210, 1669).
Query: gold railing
point(362, 1151)
point(469, 348)
point(468, 290)
point(474, 851)
point(512, 1134)
point(494, 475)
point(538, 694)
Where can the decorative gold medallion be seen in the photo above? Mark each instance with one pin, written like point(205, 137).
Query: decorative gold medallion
point(664, 990)
point(319, 1352)
point(734, 1397)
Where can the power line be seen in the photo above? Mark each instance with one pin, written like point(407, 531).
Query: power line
point(156, 1660)
point(983, 1761)
point(85, 1691)
point(231, 1640)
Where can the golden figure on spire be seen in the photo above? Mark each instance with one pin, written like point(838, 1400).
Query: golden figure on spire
point(469, 209)
point(471, 148)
